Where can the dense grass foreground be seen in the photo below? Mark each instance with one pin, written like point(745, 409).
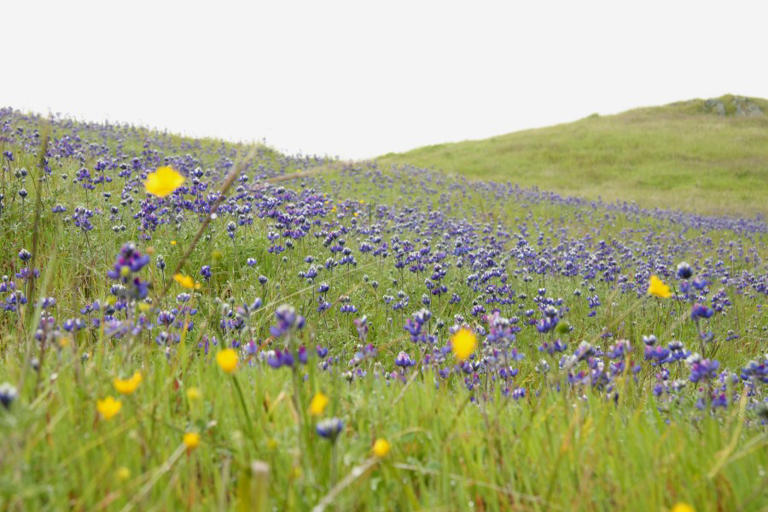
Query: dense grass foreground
point(124, 387)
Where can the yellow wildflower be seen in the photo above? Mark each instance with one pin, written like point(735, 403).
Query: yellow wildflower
point(463, 343)
point(381, 448)
point(318, 404)
point(186, 281)
point(682, 507)
point(173, 242)
point(658, 288)
point(108, 407)
point(191, 440)
point(127, 386)
point(227, 360)
point(193, 394)
point(123, 473)
point(163, 181)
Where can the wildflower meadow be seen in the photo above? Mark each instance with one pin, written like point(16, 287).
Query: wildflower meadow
point(196, 324)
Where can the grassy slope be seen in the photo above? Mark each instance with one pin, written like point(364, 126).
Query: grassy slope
point(552, 451)
point(679, 155)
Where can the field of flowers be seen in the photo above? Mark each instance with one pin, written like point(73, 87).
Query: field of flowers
point(192, 324)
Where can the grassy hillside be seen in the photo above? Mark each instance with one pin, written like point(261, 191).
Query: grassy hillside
point(701, 155)
point(291, 333)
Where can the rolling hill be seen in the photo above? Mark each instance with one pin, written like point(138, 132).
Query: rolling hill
point(707, 156)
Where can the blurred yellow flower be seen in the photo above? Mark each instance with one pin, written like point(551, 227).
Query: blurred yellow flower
point(227, 360)
point(186, 281)
point(127, 386)
point(193, 394)
point(108, 407)
point(173, 242)
point(123, 473)
point(381, 447)
point(163, 181)
point(191, 440)
point(658, 288)
point(682, 507)
point(318, 404)
point(463, 343)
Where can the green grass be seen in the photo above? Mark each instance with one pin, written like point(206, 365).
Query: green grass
point(552, 450)
point(681, 155)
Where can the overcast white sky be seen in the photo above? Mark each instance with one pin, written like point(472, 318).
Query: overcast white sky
point(357, 79)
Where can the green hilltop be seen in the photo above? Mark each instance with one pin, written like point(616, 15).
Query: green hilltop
point(709, 156)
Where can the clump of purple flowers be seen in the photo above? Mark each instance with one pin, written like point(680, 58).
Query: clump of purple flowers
point(129, 262)
point(288, 321)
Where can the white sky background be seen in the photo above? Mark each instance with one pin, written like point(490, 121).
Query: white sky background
point(358, 79)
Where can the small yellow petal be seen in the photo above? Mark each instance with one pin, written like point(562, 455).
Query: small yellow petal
point(463, 343)
point(163, 182)
point(123, 473)
point(127, 386)
point(191, 440)
point(658, 288)
point(185, 281)
point(227, 360)
point(381, 448)
point(318, 404)
point(108, 407)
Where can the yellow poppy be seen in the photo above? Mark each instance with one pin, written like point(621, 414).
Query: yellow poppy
point(186, 281)
point(227, 360)
point(463, 343)
point(163, 181)
point(108, 407)
point(191, 440)
point(127, 386)
point(381, 448)
point(658, 288)
point(318, 404)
